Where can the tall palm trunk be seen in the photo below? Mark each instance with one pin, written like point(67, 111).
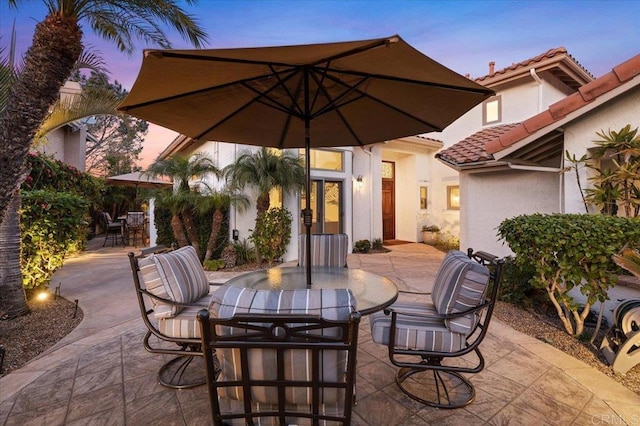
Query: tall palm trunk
point(48, 63)
point(190, 226)
point(178, 232)
point(216, 225)
point(13, 302)
point(262, 203)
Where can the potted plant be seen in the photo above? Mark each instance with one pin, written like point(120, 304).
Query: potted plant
point(429, 233)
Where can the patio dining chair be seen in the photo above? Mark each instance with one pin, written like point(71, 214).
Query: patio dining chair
point(434, 336)
point(280, 357)
point(172, 287)
point(326, 250)
point(112, 228)
point(135, 226)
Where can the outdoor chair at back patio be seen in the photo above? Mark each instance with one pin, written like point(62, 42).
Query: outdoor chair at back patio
point(285, 356)
point(172, 287)
point(433, 336)
point(326, 250)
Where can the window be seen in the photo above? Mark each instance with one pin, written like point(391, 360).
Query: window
point(492, 110)
point(327, 207)
point(453, 197)
point(324, 159)
point(423, 197)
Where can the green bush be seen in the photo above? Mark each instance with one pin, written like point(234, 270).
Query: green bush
point(245, 252)
point(377, 244)
point(213, 265)
point(272, 234)
point(569, 251)
point(362, 246)
point(52, 225)
point(516, 287)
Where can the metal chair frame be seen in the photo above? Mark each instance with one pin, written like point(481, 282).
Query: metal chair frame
point(111, 227)
point(174, 374)
point(135, 225)
point(281, 332)
point(432, 361)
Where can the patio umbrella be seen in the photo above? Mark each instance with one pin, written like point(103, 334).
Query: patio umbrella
point(321, 95)
point(137, 180)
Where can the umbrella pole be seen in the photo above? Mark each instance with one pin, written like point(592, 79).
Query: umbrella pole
point(307, 214)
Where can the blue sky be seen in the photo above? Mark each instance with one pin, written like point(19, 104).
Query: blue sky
point(464, 35)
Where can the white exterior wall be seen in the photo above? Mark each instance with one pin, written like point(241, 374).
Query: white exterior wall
point(486, 199)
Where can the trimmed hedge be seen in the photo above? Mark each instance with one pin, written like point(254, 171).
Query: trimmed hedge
point(571, 250)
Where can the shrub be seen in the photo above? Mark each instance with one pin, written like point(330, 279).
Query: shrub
point(516, 287)
point(377, 244)
point(362, 246)
point(272, 234)
point(245, 253)
point(213, 264)
point(52, 224)
point(571, 250)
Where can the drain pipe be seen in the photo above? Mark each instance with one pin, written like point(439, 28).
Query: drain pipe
point(535, 76)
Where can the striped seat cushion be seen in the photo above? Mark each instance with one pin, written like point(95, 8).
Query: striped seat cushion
point(461, 284)
point(416, 333)
point(326, 250)
point(184, 325)
point(333, 304)
point(234, 406)
point(176, 276)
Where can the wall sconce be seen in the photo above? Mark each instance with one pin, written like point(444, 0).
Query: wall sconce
point(359, 181)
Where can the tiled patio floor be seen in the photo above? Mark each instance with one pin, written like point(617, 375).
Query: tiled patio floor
point(101, 375)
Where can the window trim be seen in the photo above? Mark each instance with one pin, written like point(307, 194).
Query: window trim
point(450, 204)
point(498, 99)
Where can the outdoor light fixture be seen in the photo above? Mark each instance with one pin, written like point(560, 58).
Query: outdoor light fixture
point(42, 296)
point(359, 181)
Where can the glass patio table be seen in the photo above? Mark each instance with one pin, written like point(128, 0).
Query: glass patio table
point(372, 292)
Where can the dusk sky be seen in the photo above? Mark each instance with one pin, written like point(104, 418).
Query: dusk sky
point(462, 35)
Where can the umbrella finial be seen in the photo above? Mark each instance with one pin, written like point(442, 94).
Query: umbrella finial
point(391, 40)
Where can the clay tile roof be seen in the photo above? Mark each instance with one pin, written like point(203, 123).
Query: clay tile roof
point(429, 139)
point(472, 149)
point(551, 53)
point(572, 103)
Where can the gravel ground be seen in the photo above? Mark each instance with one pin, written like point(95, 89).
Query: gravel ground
point(26, 337)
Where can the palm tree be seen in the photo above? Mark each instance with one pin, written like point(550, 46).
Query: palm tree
point(48, 63)
point(265, 170)
point(219, 201)
point(182, 170)
point(174, 202)
point(628, 259)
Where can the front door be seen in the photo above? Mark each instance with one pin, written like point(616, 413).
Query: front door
point(388, 201)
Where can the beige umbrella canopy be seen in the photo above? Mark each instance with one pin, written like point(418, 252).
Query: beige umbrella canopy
point(137, 180)
point(322, 95)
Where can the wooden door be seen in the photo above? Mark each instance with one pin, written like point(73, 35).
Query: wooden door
point(389, 206)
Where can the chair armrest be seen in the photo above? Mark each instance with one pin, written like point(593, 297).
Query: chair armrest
point(393, 311)
point(163, 300)
point(414, 292)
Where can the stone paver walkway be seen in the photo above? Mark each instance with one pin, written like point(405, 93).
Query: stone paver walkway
point(101, 375)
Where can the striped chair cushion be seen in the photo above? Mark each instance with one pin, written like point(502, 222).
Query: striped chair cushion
point(333, 304)
point(326, 250)
point(416, 333)
point(176, 276)
point(184, 325)
point(461, 284)
point(228, 405)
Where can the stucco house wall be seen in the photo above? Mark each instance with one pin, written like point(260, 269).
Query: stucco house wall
point(487, 198)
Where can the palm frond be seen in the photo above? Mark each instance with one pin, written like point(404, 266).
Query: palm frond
point(628, 259)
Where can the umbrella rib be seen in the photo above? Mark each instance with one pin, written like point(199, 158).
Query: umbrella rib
point(482, 91)
point(260, 98)
point(336, 107)
point(380, 101)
